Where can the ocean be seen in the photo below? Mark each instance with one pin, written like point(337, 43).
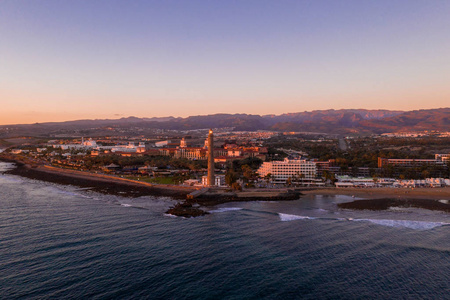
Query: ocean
point(64, 242)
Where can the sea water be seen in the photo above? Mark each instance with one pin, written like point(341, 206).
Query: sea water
point(70, 243)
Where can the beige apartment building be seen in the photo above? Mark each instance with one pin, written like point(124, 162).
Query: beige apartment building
point(297, 169)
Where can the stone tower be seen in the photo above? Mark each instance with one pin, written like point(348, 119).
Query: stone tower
point(211, 181)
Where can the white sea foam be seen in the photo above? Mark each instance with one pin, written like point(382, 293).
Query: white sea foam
point(125, 205)
point(7, 179)
point(287, 217)
point(5, 166)
point(418, 225)
point(173, 216)
point(66, 192)
point(225, 209)
point(401, 209)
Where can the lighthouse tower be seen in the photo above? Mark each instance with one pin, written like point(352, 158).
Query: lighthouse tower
point(211, 181)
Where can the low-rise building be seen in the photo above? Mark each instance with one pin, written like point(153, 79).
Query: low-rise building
point(442, 157)
point(190, 153)
point(348, 181)
point(162, 143)
point(408, 162)
point(219, 180)
point(191, 182)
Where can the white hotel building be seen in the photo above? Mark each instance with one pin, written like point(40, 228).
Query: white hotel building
point(293, 168)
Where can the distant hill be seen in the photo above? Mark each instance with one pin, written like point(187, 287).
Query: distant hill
point(331, 114)
point(416, 120)
point(344, 121)
point(327, 121)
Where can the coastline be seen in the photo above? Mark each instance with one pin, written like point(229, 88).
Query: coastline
point(131, 188)
point(368, 198)
point(98, 182)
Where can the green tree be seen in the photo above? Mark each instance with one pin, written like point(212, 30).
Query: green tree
point(247, 172)
point(268, 177)
point(301, 176)
point(230, 177)
point(329, 176)
point(236, 186)
point(289, 181)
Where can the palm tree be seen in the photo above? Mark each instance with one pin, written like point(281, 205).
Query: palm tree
point(301, 176)
point(289, 181)
point(268, 177)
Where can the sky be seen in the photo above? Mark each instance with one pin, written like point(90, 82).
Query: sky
point(95, 59)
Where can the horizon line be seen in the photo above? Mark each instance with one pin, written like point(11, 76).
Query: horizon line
point(219, 113)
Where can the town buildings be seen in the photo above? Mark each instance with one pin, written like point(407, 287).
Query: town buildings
point(442, 157)
point(404, 162)
point(219, 180)
point(365, 182)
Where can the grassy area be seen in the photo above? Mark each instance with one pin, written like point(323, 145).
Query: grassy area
point(162, 180)
point(157, 180)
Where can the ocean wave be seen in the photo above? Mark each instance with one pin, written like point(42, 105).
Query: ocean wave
point(224, 209)
point(417, 225)
point(173, 216)
point(133, 206)
point(287, 217)
point(68, 193)
point(4, 166)
point(8, 179)
point(401, 209)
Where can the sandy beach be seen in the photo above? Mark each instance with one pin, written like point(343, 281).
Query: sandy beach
point(386, 198)
point(377, 193)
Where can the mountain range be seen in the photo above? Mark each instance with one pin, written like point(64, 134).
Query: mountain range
point(343, 121)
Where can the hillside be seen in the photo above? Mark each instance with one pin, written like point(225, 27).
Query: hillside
point(344, 121)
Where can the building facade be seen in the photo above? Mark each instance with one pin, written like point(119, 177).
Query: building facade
point(298, 170)
point(219, 180)
point(404, 162)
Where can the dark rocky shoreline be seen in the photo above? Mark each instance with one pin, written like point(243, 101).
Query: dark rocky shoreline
point(186, 208)
point(190, 207)
point(209, 199)
point(386, 203)
point(124, 189)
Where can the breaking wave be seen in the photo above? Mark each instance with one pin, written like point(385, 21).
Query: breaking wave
point(173, 216)
point(5, 179)
point(287, 217)
point(66, 192)
point(225, 209)
point(418, 225)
